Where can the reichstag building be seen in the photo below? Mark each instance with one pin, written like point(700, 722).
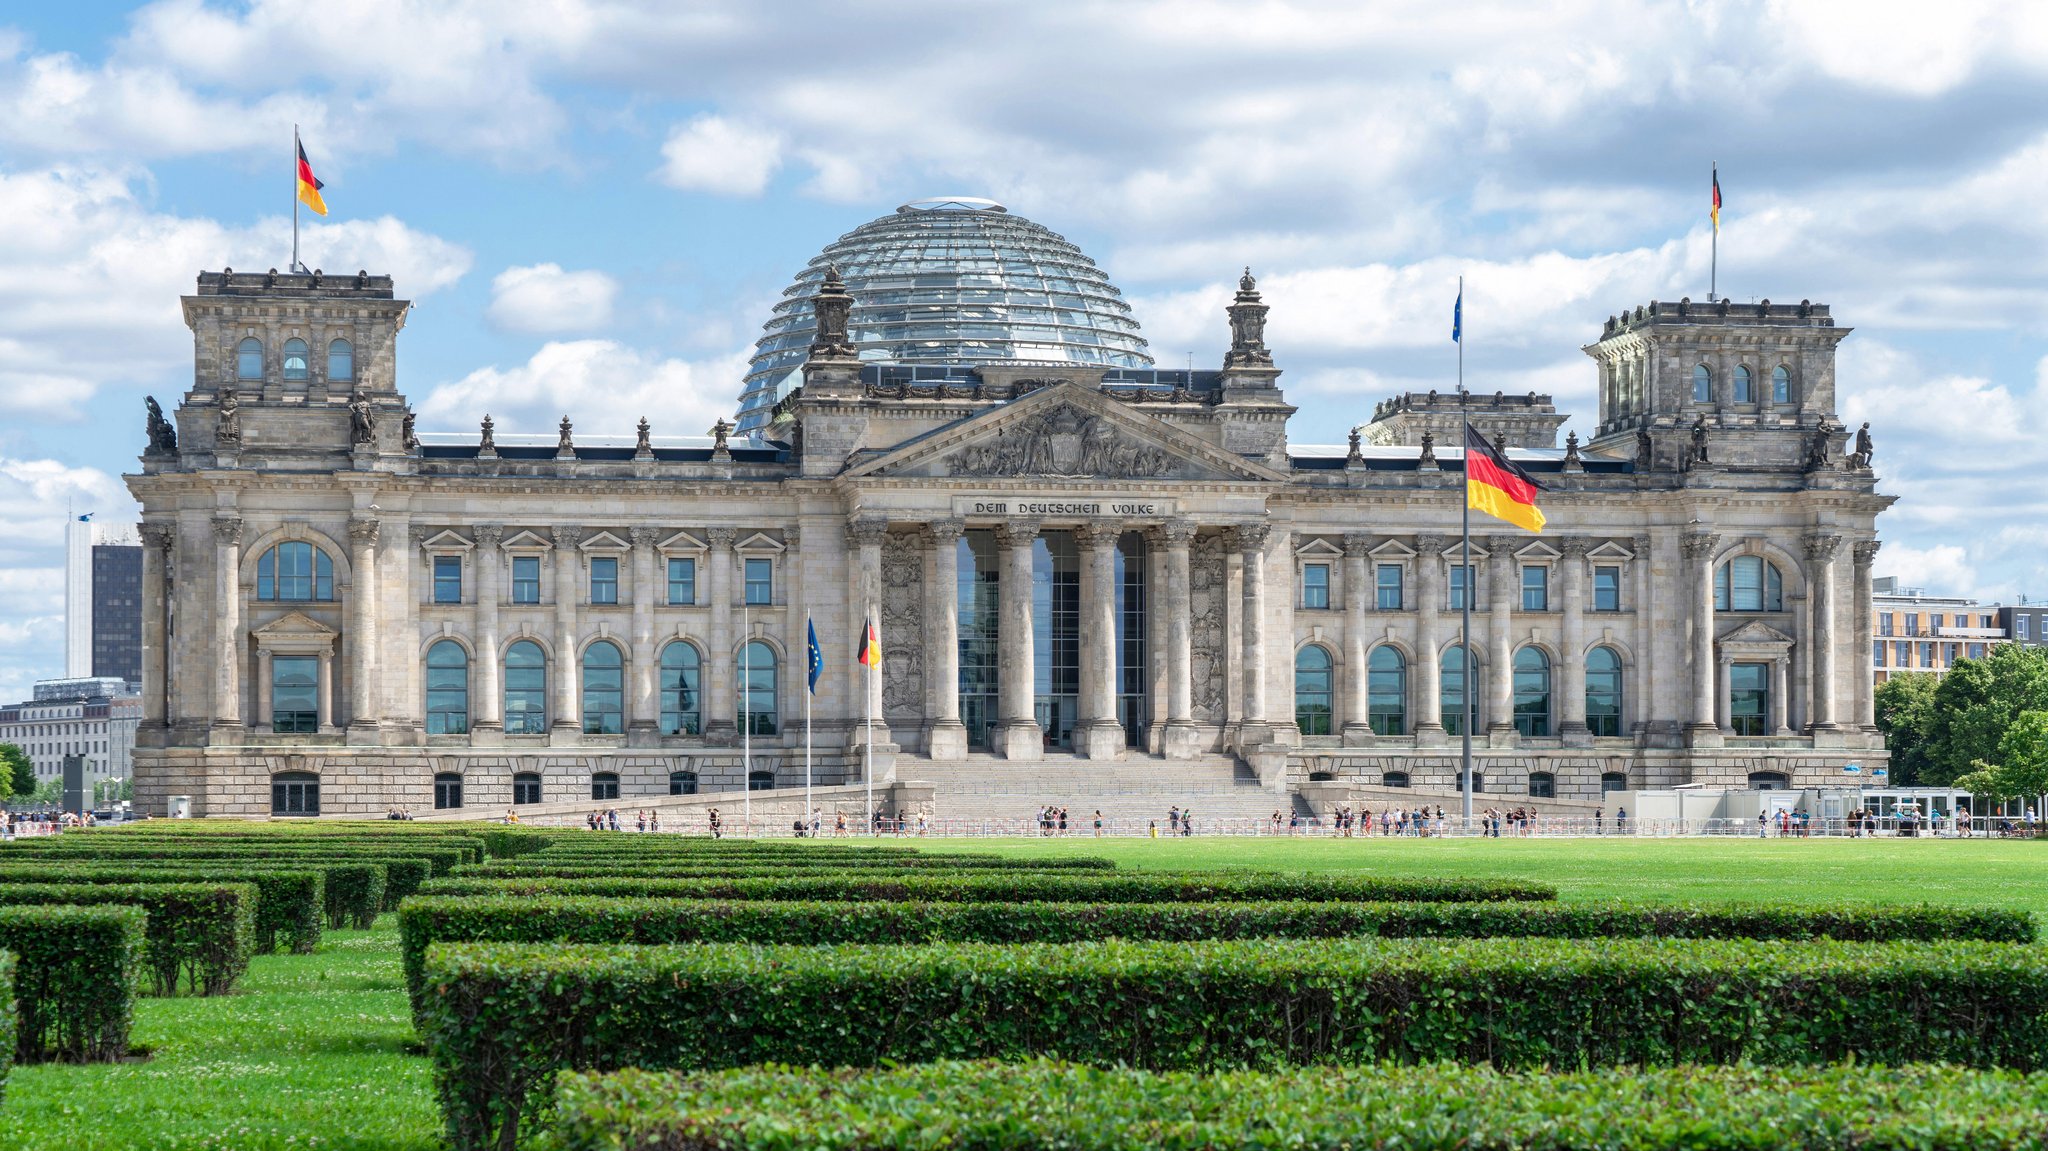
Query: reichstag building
point(1079, 561)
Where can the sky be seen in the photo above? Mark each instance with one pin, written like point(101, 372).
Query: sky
point(593, 204)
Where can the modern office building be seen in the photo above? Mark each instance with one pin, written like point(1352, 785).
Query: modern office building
point(2025, 622)
point(1077, 561)
point(117, 611)
point(1915, 631)
point(90, 717)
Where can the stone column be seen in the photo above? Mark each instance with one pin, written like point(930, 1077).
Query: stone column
point(1780, 695)
point(864, 593)
point(1865, 555)
point(944, 735)
point(1705, 728)
point(1724, 698)
point(263, 716)
point(721, 725)
point(156, 550)
point(1572, 657)
point(227, 639)
point(1097, 734)
point(1820, 555)
point(324, 693)
point(566, 725)
point(643, 712)
point(1426, 674)
point(1357, 590)
point(486, 703)
point(1250, 542)
point(1233, 636)
point(1180, 739)
point(1017, 734)
point(1501, 640)
point(362, 664)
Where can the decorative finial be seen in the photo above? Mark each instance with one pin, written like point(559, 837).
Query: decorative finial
point(1428, 457)
point(1571, 451)
point(832, 308)
point(1354, 455)
point(719, 432)
point(489, 443)
point(1245, 283)
point(566, 445)
point(643, 446)
point(1247, 328)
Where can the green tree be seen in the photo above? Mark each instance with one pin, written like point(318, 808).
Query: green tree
point(1905, 714)
point(1975, 704)
point(2021, 771)
point(17, 774)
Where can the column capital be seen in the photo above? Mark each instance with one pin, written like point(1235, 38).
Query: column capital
point(227, 530)
point(1358, 545)
point(1250, 537)
point(946, 530)
point(1575, 547)
point(867, 531)
point(159, 536)
point(1700, 545)
point(1173, 533)
point(1096, 535)
point(1866, 552)
point(721, 538)
point(489, 535)
point(1640, 545)
point(1821, 547)
point(793, 536)
point(646, 537)
point(1428, 545)
point(564, 536)
point(1016, 532)
point(420, 534)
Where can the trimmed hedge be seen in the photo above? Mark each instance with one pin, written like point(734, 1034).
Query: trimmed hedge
point(441, 860)
point(404, 872)
point(468, 845)
point(197, 937)
point(7, 1019)
point(1021, 887)
point(428, 920)
point(1044, 1106)
point(76, 973)
point(290, 908)
point(502, 1019)
point(546, 864)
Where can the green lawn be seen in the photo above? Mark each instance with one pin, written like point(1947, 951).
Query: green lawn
point(316, 1050)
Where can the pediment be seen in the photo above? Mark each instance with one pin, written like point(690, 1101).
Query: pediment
point(526, 539)
point(1756, 633)
point(758, 543)
point(1064, 432)
point(1392, 549)
point(681, 542)
point(605, 541)
point(294, 631)
point(1538, 551)
point(1610, 551)
point(446, 540)
point(1317, 548)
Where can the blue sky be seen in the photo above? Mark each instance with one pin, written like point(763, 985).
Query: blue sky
point(593, 204)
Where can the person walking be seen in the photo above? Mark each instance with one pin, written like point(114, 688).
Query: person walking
point(1098, 823)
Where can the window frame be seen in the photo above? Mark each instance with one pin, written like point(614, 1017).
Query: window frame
point(604, 786)
point(1315, 586)
point(1781, 385)
point(527, 788)
point(749, 583)
point(446, 719)
point(318, 575)
point(1611, 601)
point(1542, 785)
point(1382, 585)
point(447, 788)
point(348, 355)
point(601, 690)
point(1745, 386)
point(1536, 595)
point(518, 584)
point(528, 724)
point(442, 579)
point(1702, 384)
point(301, 722)
point(1458, 590)
point(602, 580)
point(682, 782)
point(244, 348)
point(290, 793)
point(689, 580)
point(1745, 722)
point(1307, 718)
point(1382, 716)
point(1619, 691)
point(687, 688)
point(1529, 721)
point(747, 715)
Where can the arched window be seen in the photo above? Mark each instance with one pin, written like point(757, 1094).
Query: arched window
point(1386, 691)
point(526, 691)
point(447, 689)
point(1603, 691)
point(294, 793)
point(1748, 583)
point(1781, 385)
point(604, 689)
point(447, 790)
point(1394, 779)
point(295, 354)
point(760, 781)
point(1743, 395)
point(1613, 781)
point(249, 359)
point(604, 785)
point(341, 360)
point(1702, 385)
point(1542, 785)
point(681, 706)
point(1769, 780)
point(295, 571)
point(682, 783)
point(1451, 691)
point(1532, 692)
point(758, 709)
point(526, 787)
point(1312, 690)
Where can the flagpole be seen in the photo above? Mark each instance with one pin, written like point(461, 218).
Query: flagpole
point(1465, 561)
point(1714, 259)
point(868, 772)
point(295, 198)
point(746, 721)
point(810, 689)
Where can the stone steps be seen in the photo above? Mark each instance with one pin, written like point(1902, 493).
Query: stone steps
point(1128, 792)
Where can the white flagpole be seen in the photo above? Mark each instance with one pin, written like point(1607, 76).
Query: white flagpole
point(808, 692)
point(746, 721)
point(869, 707)
point(295, 198)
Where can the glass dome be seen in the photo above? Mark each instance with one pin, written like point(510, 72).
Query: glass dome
point(950, 280)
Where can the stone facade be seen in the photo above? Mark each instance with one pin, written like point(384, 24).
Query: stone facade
point(333, 597)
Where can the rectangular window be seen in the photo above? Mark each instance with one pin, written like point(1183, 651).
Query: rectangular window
point(1926, 655)
point(1934, 623)
point(2019, 626)
point(1976, 651)
point(1389, 576)
point(604, 579)
point(294, 693)
point(1913, 623)
point(1884, 624)
point(1902, 653)
point(760, 581)
point(1877, 653)
point(525, 579)
point(1461, 580)
point(1535, 587)
point(447, 579)
point(682, 581)
point(1315, 585)
point(1749, 698)
point(1606, 589)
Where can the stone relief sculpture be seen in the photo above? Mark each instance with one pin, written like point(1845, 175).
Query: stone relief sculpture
point(1064, 441)
point(163, 438)
point(1247, 328)
point(227, 423)
point(1207, 589)
point(362, 418)
point(902, 625)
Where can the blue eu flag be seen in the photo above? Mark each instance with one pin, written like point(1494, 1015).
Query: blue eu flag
point(1458, 317)
point(817, 656)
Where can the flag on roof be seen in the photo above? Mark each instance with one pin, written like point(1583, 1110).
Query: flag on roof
point(1497, 486)
point(1717, 200)
point(309, 185)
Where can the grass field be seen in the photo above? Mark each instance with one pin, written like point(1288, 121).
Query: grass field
point(317, 1051)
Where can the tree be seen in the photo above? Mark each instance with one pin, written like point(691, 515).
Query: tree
point(1905, 714)
point(1975, 704)
point(17, 774)
point(2021, 771)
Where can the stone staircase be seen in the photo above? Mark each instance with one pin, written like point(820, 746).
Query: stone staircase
point(1130, 792)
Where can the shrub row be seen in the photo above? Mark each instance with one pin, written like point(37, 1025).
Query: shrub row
point(289, 902)
point(1086, 887)
point(403, 873)
point(198, 934)
point(1044, 1106)
point(503, 1018)
point(547, 863)
point(76, 974)
point(440, 860)
point(551, 919)
point(451, 849)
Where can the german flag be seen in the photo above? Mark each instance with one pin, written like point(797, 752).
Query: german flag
point(1717, 200)
point(1498, 487)
point(309, 185)
point(870, 647)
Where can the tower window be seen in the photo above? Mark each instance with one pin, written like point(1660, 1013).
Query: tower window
point(1742, 389)
point(295, 359)
point(1315, 585)
point(341, 360)
point(1702, 385)
point(1781, 385)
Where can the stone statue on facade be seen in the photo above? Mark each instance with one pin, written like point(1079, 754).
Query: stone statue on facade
point(489, 443)
point(1699, 441)
point(1820, 447)
point(1500, 444)
point(832, 309)
point(163, 438)
point(1861, 457)
point(227, 423)
point(1646, 450)
point(1247, 328)
point(362, 419)
point(407, 434)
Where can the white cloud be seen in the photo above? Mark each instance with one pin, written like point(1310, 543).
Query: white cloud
point(36, 497)
point(602, 385)
point(714, 154)
point(544, 298)
point(1944, 569)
